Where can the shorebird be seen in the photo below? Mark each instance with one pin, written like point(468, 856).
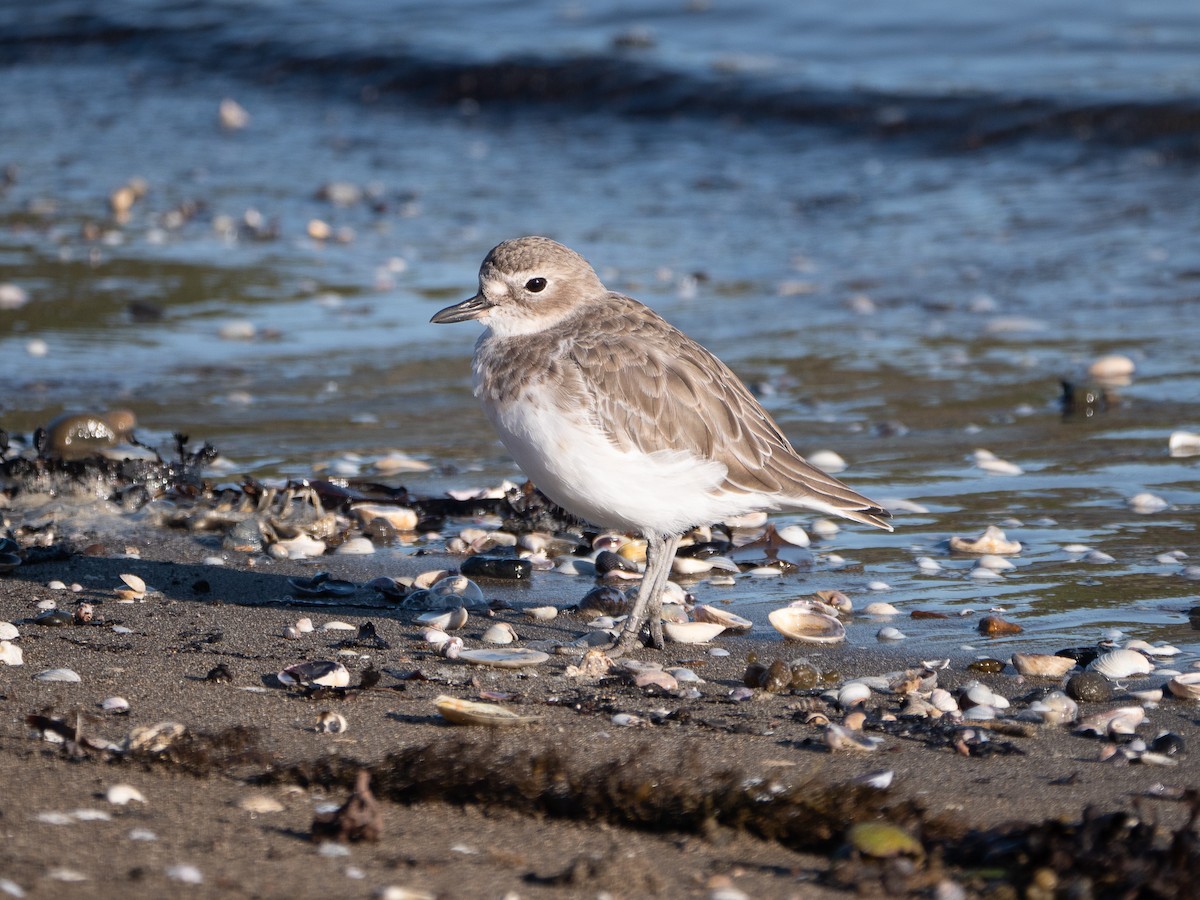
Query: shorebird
point(622, 419)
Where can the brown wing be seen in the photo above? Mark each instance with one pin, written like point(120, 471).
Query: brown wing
point(650, 387)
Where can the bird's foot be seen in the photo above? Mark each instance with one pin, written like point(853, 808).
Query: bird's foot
point(630, 638)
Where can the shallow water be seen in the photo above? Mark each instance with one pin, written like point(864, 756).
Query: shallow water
point(902, 228)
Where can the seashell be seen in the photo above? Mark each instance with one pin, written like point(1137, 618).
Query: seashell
point(134, 583)
point(1121, 664)
point(1152, 649)
point(927, 564)
point(304, 625)
point(798, 624)
point(814, 606)
point(981, 712)
point(659, 679)
point(878, 586)
point(674, 612)
point(995, 562)
point(853, 693)
point(505, 659)
point(448, 592)
point(1042, 664)
point(468, 712)
point(604, 601)
point(260, 804)
point(447, 620)
point(114, 704)
point(323, 585)
point(942, 700)
point(888, 633)
point(317, 673)
point(992, 540)
point(881, 609)
point(827, 461)
point(11, 654)
point(451, 648)
point(541, 613)
point(337, 625)
point(1185, 686)
point(8, 631)
point(1146, 503)
point(685, 676)
point(1056, 708)
point(499, 633)
point(426, 580)
point(1183, 443)
point(434, 635)
point(825, 528)
point(300, 547)
point(329, 722)
point(627, 720)
point(62, 676)
point(1123, 720)
point(836, 600)
point(356, 546)
point(880, 780)
point(747, 520)
point(691, 632)
point(794, 535)
point(400, 518)
point(292, 633)
point(836, 738)
point(732, 623)
point(1113, 368)
point(122, 794)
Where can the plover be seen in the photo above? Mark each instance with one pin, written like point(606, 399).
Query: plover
point(622, 419)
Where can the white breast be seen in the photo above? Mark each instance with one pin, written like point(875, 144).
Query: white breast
point(578, 468)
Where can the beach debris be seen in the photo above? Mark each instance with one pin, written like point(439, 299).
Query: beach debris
point(1056, 708)
point(469, 712)
point(715, 615)
point(60, 676)
point(993, 541)
point(1123, 720)
point(994, 626)
point(839, 738)
point(153, 739)
point(1089, 687)
point(517, 658)
point(448, 592)
point(123, 794)
point(1043, 665)
point(1146, 503)
point(1183, 443)
point(800, 623)
point(330, 722)
point(11, 654)
point(691, 632)
point(499, 633)
point(882, 840)
point(994, 465)
point(360, 818)
point(595, 664)
point(1185, 686)
point(318, 673)
point(1121, 663)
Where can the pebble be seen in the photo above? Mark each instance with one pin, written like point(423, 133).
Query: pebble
point(1089, 687)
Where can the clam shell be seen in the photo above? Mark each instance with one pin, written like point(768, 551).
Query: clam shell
point(66, 676)
point(505, 659)
point(799, 624)
point(1122, 720)
point(1043, 664)
point(399, 517)
point(11, 654)
point(732, 623)
point(541, 613)
point(318, 673)
point(993, 541)
point(135, 583)
point(1185, 686)
point(1121, 664)
point(468, 712)
point(500, 633)
point(691, 632)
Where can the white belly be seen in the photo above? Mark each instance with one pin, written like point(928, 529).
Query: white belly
point(579, 469)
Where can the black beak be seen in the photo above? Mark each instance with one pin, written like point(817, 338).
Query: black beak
point(471, 308)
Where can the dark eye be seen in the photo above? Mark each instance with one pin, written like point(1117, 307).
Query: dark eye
point(535, 285)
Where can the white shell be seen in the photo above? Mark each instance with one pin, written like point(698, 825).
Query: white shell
point(505, 659)
point(691, 632)
point(1122, 720)
point(135, 583)
point(1055, 709)
point(499, 633)
point(732, 623)
point(795, 535)
point(1185, 686)
point(114, 704)
point(941, 699)
point(67, 676)
point(399, 517)
point(880, 608)
point(852, 693)
point(357, 546)
point(121, 794)
point(330, 722)
point(1121, 664)
point(304, 625)
point(338, 626)
point(1043, 664)
point(11, 654)
point(888, 633)
point(1184, 443)
point(799, 624)
point(1113, 367)
point(827, 461)
point(993, 540)
point(446, 620)
point(8, 631)
point(542, 613)
point(467, 712)
point(837, 738)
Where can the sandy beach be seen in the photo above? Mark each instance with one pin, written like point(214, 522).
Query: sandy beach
point(706, 795)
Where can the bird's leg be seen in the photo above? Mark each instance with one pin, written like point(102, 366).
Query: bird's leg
point(647, 608)
point(666, 550)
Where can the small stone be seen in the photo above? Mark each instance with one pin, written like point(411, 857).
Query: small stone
point(1089, 687)
point(994, 625)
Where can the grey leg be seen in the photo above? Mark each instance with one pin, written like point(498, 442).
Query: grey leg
point(637, 615)
point(654, 612)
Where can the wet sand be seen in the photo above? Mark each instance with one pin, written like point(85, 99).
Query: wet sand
point(537, 810)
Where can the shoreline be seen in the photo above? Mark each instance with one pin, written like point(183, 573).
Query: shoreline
point(686, 747)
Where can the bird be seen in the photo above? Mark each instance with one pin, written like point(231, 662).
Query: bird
point(622, 419)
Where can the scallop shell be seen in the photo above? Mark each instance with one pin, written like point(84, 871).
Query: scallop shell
point(468, 712)
point(1121, 664)
point(799, 624)
point(1043, 664)
point(1185, 686)
point(691, 632)
point(732, 623)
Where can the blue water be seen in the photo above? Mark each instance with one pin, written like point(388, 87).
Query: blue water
point(903, 224)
